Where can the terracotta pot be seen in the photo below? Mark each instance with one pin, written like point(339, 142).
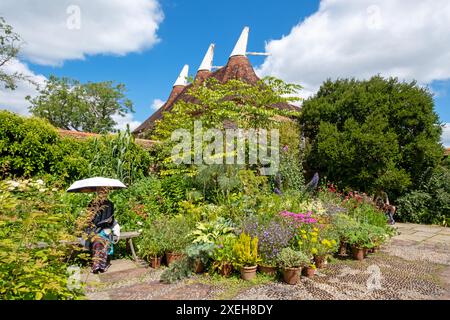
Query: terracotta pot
point(171, 257)
point(155, 262)
point(366, 251)
point(198, 266)
point(267, 270)
point(248, 273)
point(291, 275)
point(320, 261)
point(226, 270)
point(309, 272)
point(342, 249)
point(358, 253)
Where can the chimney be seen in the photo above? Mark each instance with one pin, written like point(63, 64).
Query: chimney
point(182, 78)
point(206, 66)
point(178, 86)
point(240, 49)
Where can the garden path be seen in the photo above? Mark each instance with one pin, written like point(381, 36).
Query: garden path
point(415, 265)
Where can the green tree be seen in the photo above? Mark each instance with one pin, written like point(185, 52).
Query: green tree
point(372, 135)
point(219, 105)
point(265, 105)
point(90, 107)
point(9, 48)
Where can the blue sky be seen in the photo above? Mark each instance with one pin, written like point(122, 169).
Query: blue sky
point(145, 43)
point(186, 32)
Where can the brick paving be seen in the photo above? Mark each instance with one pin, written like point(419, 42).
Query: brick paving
point(414, 265)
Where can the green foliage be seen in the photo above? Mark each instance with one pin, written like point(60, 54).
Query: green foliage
point(32, 215)
point(430, 203)
point(178, 270)
point(368, 213)
point(291, 172)
point(201, 251)
point(152, 243)
point(32, 147)
point(139, 202)
point(364, 235)
point(211, 232)
point(27, 145)
point(372, 135)
point(89, 107)
point(10, 43)
point(290, 258)
point(117, 157)
point(224, 252)
point(216, 104)
point(245, 251)
point(175, 233)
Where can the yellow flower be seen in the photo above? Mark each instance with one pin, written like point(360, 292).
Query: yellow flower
point(314, 240)
point(303, 231)
point(314, 234)
point(305, 236)
point(316, 229)
point(314, 251)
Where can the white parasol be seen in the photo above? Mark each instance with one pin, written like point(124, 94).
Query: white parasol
point(94, 184)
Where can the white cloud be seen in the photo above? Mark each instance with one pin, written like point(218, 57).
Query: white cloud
point(157, 103)
point(123, 121)
point(14, 100)
point(50, 28)
point(362, 38)
point(446, 135)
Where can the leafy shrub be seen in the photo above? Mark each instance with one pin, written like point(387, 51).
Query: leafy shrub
point(151, 243)
point(140, 201)
point(32, 147)
point(26, 145)
point(365, 235)
point(178, 270)
point(431, 202)
point(363, 136)
point(175, 233)
point(30, 217)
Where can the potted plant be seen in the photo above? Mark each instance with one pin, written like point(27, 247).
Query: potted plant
point(200, 254)
point(291, 262)
point(245, 252)
point(358, 238)
point(151, 245)
point(273, 236)
point(310, 270)
point(175, 234)
point(223, 255)
point(324, 246)
point(342, 224)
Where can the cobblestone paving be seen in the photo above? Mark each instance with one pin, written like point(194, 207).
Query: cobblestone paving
point(415, 265)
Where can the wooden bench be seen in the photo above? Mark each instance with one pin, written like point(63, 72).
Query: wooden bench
point(127, 236)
